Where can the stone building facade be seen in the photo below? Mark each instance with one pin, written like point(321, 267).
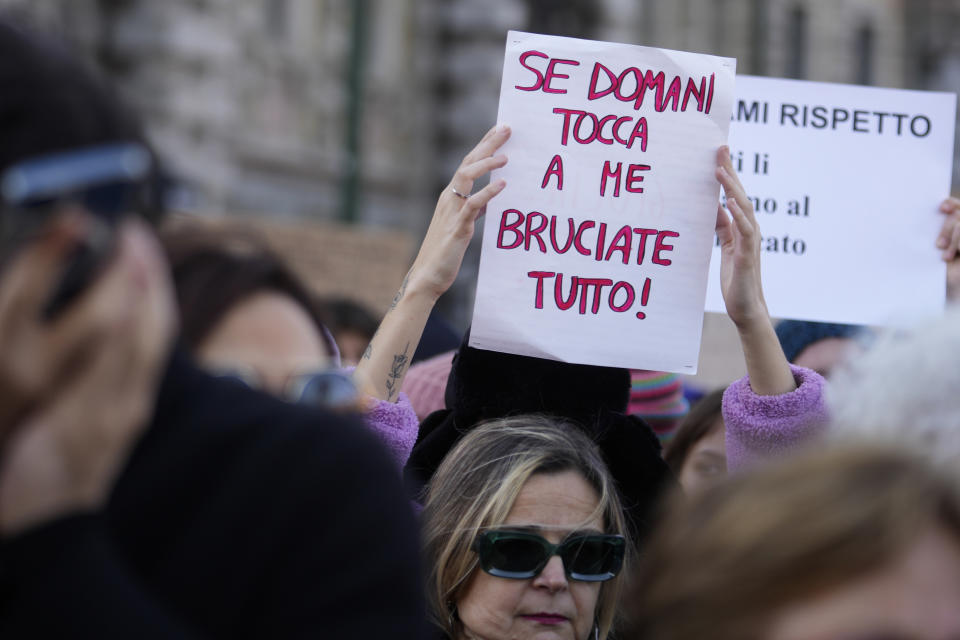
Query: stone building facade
point(359, 110)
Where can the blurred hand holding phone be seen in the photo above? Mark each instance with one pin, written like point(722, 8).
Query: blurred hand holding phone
point(87, 316)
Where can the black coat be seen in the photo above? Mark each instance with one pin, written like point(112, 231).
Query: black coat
point(237, 516)
point(484, 385)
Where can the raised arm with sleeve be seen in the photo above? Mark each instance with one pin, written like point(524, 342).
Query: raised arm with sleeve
point(776, 406)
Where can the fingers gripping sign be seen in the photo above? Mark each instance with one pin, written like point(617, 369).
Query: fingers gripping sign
point(480, 160)
point(948, 241)
point(381, 371)
point(452, 226)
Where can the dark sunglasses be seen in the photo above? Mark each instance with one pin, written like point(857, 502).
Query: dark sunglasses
point(520, 555)
point(328, 388)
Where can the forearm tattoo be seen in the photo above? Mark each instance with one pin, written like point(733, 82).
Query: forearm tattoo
point(400, 292)
point(399, 367)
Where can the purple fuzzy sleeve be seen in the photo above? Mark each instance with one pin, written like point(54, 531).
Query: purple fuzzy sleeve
point(395, 423)
point(760, 427)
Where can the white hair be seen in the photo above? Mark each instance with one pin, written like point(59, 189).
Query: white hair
point(905, 391)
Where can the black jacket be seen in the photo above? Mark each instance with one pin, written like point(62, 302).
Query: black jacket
point(237, 516)
point(484, 385)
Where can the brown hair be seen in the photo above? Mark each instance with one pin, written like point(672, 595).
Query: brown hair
point(695, 426)
point(215, 269)
point(475, 488)
point(721, 565)
point(52, 102)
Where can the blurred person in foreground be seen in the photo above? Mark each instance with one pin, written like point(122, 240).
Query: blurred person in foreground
point(139, 497)
point(850, 544)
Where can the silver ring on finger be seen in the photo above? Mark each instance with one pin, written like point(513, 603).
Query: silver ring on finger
point(457, 193)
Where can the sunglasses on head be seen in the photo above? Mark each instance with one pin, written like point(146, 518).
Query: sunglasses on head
point(520, 555)
point(109, 180)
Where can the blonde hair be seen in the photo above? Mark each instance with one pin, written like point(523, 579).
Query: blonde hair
point(475, 488)
point(721, 565)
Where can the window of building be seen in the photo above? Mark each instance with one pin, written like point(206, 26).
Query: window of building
point(277, 14)
point(648, 23)
point(863, 56)
point(797, 43)
point(759, 25)
point(575, 18)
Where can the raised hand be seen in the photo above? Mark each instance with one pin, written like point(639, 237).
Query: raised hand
point(740, 283)
point(387, 358)
point(452, 226)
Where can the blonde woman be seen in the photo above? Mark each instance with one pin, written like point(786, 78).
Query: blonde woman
point(524, 535)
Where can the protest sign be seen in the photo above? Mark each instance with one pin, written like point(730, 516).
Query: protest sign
point(597, 250)
point(845, 181)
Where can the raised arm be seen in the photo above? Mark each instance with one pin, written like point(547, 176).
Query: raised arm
point(776, 407)
point(739, 236)
point(384, 364)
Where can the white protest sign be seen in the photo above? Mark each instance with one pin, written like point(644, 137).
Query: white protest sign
point(845, 181)
point(597, 250)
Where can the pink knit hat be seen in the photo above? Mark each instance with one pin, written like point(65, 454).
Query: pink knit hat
point(426, 382)
point(657, 397)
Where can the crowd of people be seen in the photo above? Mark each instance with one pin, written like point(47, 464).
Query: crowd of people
point(183, 453)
